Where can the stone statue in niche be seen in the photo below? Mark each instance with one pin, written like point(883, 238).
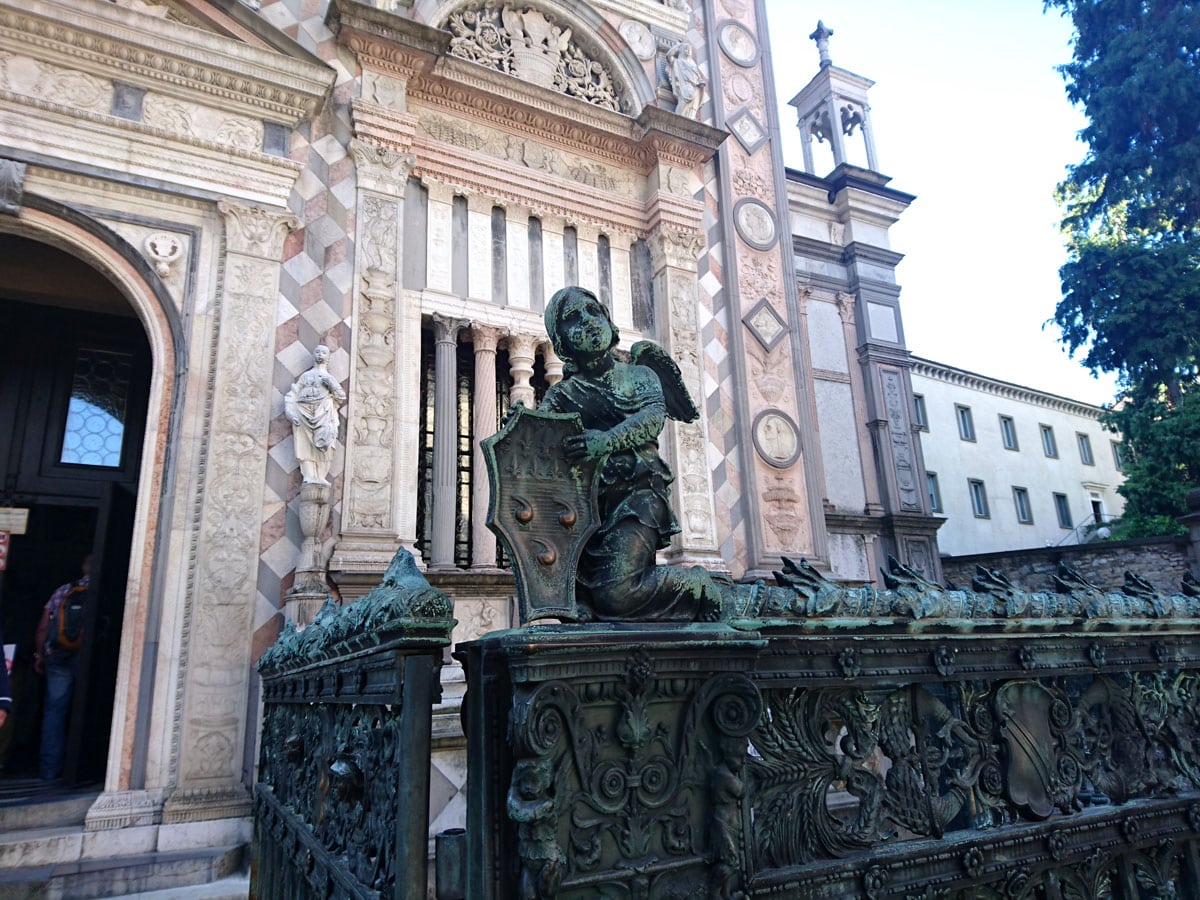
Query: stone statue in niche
point(312, 407)
point(687, 80)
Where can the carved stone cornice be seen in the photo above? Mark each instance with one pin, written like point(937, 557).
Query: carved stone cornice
point(383, 125)
point(255, 231)
point(108, 41)
point(381, 169)
point(677, 139)
point(103, 142)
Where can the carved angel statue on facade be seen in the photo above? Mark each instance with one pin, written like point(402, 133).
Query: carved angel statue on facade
point(687, 80)
point(312, 407)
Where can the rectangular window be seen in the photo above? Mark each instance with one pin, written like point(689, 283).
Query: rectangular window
point(935, 494)
point(1008, 433)
point(1048, 443)
point(919, 414)
point(1118, 459)
point(979, 504)
point(966, 425)
point(1021, 501)
point(1063, 508)
point(1085, 449)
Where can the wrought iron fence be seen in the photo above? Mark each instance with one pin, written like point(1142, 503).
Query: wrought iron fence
point(913, 743)
point(341, 805)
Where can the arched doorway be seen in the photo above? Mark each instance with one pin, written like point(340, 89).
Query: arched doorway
point(75, 379)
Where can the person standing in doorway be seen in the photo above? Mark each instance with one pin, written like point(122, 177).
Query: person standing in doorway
point(59, 637)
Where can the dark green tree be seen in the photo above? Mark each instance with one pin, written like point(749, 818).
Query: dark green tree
point(1131, 285)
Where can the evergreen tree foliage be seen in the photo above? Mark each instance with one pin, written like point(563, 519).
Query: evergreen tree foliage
point(1131, 285)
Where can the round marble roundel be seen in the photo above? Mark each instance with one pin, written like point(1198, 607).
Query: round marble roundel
point(738, 43)
point(776, 438)
point(639, 39)
point(755, 223)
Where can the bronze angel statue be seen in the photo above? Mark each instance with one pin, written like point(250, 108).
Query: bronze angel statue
point(623, 407)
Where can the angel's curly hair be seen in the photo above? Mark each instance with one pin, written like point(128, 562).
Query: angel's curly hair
point(554, 312)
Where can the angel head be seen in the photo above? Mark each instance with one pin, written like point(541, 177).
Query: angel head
point(579, 325)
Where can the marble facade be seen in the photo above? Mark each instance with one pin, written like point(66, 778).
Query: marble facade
point(379, 180)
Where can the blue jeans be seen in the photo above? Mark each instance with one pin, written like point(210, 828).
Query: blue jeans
point(60, 678)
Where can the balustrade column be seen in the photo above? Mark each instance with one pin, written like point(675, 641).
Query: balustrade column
point(445, 440)
point(483, 542)
point(521, 351)
point(554, 365)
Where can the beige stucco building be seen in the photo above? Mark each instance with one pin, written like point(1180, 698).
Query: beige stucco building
point(194, 195)
point(1011, 467)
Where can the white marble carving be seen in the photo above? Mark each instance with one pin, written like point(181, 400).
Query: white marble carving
point(527, 44)
point(312, 407)
point(776, 438)
point(639, 39)
point(687, 80)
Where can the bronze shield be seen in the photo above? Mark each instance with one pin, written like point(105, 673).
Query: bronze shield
point(541, 507)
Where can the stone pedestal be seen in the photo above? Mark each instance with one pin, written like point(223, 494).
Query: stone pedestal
point(310, 588)
point(610, 759)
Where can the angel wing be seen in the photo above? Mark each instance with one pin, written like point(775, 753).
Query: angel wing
point(680, 405)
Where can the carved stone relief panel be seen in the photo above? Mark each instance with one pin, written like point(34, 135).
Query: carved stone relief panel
point(54, 84)
point(374, 396)
point(220, 618)
point(191, 120)
point(900, 433)
point(525, 153)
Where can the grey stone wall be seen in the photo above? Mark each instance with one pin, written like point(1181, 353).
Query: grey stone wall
point(1161, 561)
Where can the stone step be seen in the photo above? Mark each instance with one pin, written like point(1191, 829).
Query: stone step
point(236, 887)
point(32, 803)
point(152, 874)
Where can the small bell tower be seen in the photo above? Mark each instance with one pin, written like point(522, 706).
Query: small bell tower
point(833, 107)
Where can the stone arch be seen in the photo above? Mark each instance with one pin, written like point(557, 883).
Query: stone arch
point(113, 258)
point(594, 34)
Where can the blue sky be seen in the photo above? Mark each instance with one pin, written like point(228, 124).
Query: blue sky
point(971, 117)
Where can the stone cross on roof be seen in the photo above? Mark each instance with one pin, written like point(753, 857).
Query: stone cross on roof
point(822, 36)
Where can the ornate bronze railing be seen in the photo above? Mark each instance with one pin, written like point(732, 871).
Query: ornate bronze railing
point(341, 808)
point(912, 742)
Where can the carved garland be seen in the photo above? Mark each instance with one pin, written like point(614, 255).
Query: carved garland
point(527, 44)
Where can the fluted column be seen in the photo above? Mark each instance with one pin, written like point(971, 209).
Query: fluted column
point(445, 439)
point(521, 350)
point(554, 365)
point(483, 542)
